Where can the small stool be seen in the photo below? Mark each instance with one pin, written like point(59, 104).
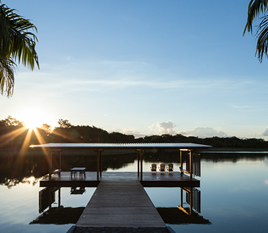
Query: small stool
point(80, 170)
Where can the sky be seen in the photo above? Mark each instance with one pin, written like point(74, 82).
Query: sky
point(143, 67)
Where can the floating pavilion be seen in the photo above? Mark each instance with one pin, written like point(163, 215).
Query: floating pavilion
point(120, 202)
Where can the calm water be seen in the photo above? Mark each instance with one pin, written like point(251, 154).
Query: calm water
point(234, 198)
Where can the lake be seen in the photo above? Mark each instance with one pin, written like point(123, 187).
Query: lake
point(233, 187)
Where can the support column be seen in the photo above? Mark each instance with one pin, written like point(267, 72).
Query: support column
point(181, 160)
point(50, 165)
point(98, 166)
point(138, 159)
point(141, 158)
point(191, 201)
point(191, 163)
point(59, 197)
point(60, 158)
point(100, 163)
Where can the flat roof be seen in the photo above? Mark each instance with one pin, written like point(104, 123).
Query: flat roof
point(121, 146)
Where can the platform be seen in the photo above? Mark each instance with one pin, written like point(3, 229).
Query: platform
point(149, 179)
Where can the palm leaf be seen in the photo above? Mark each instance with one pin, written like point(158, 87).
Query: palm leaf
point(255, 7)
point(7, 76)
point(262, 38)
point(16, 42)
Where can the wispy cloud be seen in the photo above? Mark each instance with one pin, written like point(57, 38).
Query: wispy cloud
point(203, 132)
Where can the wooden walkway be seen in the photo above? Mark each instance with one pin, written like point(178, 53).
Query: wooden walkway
point(120, 204)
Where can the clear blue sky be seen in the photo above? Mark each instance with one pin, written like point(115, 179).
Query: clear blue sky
point(143, 67)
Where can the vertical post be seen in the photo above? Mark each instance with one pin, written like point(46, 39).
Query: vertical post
point(181, 159)
point(50, 165)
point(191, 200)
point(181, 197)
point(138, 158)
point(98, 166)
point(60, 161)
point(191, 163)
point(59, 197)
point(141, 154)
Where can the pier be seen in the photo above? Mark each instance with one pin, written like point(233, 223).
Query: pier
point(123, 204)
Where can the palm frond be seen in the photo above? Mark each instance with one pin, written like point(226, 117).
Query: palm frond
point(16, 42)
point(7, 77)
point(262, 38)
point(255, 7)
point(16, 38)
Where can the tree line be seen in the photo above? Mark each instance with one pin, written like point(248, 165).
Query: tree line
point(14, 136)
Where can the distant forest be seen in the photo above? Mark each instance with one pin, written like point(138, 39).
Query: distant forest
point(14, 136)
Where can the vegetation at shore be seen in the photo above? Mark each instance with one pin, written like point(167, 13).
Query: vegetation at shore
point(14, 136)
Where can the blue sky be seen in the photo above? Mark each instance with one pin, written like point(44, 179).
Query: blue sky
point(143, 67)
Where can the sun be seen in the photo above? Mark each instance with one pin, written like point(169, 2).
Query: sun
point(33, 118)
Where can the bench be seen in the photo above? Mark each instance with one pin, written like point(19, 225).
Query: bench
point(78, 170)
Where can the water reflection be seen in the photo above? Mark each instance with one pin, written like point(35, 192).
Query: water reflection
point(57, 214)
point(228, 186)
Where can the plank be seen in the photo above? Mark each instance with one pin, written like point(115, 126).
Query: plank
point(120, 204)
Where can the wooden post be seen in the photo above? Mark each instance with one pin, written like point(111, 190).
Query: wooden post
point(181, 159)
point(59, 197)
point(138, 158)
point(60, 158)
point(141, 154)
point(191, 200)
point(50, 165)
point(98, 166)
point(191, 163)
point(181, 197)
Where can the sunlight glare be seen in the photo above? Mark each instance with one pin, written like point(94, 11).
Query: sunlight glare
point(33, 118)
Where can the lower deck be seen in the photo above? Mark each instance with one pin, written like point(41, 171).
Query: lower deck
point(149, 179)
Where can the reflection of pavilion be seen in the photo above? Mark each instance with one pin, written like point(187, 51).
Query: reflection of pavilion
point(185, 213)
point(57, 214)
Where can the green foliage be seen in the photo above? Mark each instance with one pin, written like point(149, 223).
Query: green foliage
point(16, 42)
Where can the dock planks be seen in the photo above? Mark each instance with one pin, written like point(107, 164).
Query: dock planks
point(120, 204)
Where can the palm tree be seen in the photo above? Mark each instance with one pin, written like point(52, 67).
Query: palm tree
point(256, 7)
point(16, 42)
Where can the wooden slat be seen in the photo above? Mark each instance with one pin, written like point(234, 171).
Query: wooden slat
point(120, 204)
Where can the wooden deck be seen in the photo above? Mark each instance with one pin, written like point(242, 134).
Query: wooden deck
point(120, 203)
point(149, 179)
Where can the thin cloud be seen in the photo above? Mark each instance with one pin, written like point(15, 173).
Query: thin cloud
point(204, 132)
